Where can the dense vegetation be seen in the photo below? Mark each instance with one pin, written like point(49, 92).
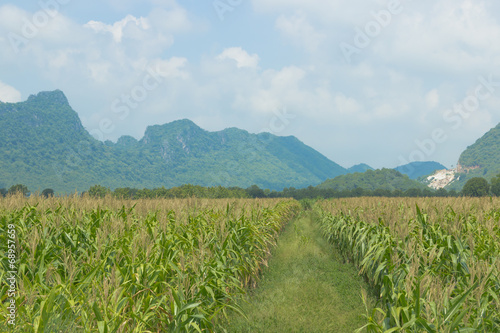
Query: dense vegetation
point(44, 145)
point(484, 152)
point(113, 265)
point(481, 158)
point(87, 265)
point(475, 187)
point(384, 179)
point(433, 268)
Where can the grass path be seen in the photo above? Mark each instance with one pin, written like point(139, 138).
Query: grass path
point(306, 288)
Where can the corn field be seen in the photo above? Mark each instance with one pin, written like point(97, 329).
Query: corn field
point(105, 265)
point(433, 264)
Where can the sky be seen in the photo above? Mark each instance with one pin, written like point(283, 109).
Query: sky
point(382, 82)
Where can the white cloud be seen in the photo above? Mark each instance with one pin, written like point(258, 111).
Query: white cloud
point(242, 58)
point(298, 29)
point(26, 32)
point(312, 6)
point(452, 36)
point(432, 99)
point(363, 70)
point(118, 29)
point(11, 17)
point(288, 78)
point(330, 13)
point(264, 101)
point(99, 71)
point(171, 68)
point(386, 111)
point(346, 105)
point(9, 94)
point(168, 21)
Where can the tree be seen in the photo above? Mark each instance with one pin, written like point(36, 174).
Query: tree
point(427, 193)
point(397, 193)
point(476, 187)
point(19, 188)
point(48, 192)
point(382, 192)
point(441, 193)
point(495, 185)
point(3, 192)
point(98, 191)
point(413, 192)
point(255, 192)
point(358, 192)
point(125, 193)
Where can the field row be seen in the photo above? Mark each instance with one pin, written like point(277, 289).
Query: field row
point(155, 266)
point(432, 270)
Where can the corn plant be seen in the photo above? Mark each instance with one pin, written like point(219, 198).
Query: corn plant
point(147, 266)
point(427, 276)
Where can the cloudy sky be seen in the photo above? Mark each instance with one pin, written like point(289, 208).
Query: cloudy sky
point(381, 82)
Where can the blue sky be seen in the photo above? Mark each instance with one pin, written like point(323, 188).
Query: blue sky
point(376, 82)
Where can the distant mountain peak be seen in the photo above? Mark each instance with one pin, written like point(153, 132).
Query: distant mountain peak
point(183, 122)
point(175, 126)
point(182, 127)
point(359, 168)
point(126, 141)
point(415, 170)
point(56, 97)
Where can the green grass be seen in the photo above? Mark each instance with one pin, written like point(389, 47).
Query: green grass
point(307, 288)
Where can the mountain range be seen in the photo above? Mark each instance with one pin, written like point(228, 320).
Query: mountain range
point(44, 145)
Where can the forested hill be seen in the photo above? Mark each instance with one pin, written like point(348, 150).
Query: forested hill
point(383, 179)
point(44, 145)
point(483, 157)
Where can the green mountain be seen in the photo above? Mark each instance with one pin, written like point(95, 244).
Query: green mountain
point(384, 179)
point(482, 159)
point(44, 145)
point(416, 170)
point(359, 168)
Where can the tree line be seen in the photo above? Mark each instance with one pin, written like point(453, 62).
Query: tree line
point(187, 191)
point(475, 187)
point(23, 189)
